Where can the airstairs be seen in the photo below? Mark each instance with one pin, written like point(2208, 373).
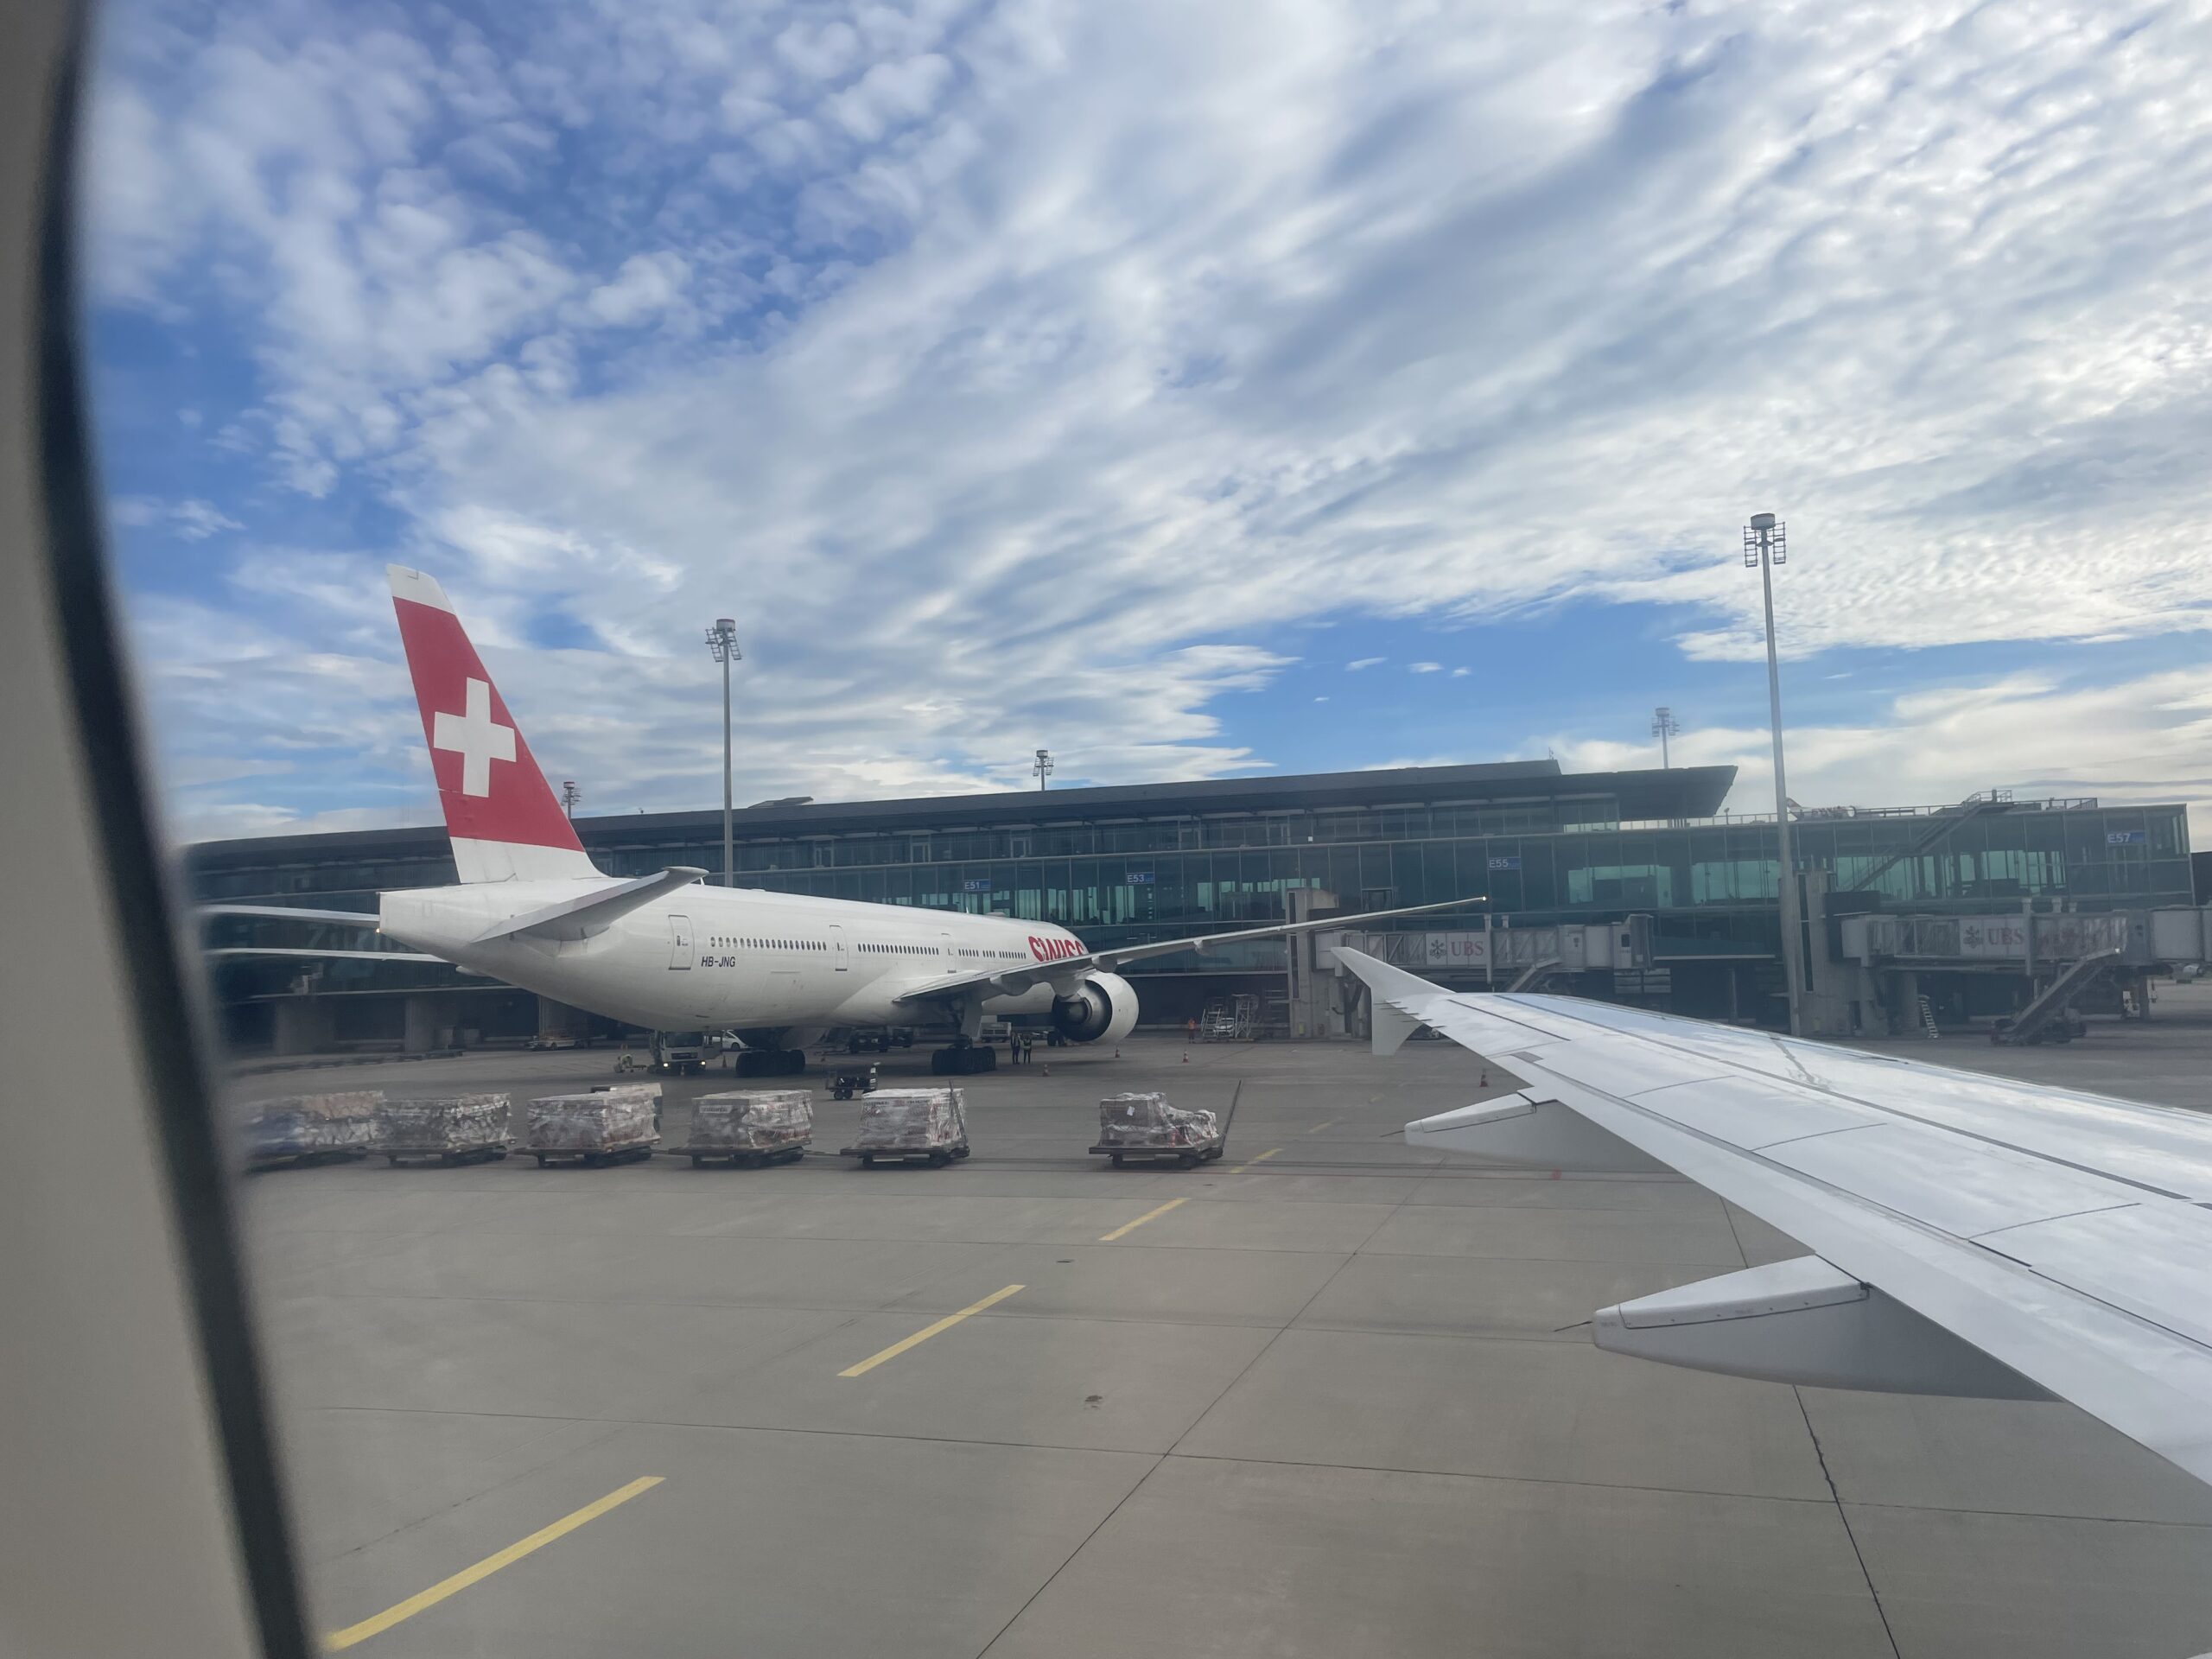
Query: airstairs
point(1532, 977)
point(2031, 1024)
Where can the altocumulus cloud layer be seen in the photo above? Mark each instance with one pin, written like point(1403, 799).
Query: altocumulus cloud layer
point(1023, 369)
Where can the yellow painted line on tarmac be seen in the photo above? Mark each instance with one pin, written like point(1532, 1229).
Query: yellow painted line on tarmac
point(1318, 1128)
point(485, 1569)
point(1262, 1159)
point(926, 1332)
point(1108, 1238)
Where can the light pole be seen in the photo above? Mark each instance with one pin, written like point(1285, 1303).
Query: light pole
point(569, 796)
point(722, 640)
point(1766, 544)
point(1043, 767)
point(1663, 725)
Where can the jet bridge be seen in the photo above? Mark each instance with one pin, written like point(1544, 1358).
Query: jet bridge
point(2062, 956)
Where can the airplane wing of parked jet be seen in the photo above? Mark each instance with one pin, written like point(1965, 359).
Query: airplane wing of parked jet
point(1969, 1235)
point(1006, 981)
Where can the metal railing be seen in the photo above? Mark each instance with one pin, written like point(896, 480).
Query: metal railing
point(1833, 814)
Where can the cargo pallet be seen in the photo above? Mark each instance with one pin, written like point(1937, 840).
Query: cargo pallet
point(1189, 1157)
point(741, 1157)
point(935, 1157)
point(257, 1162)
point(590, 1160)
point(447, 1156)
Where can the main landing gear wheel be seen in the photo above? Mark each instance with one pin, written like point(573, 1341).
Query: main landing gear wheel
point(772, 1063)
point(965, 1059)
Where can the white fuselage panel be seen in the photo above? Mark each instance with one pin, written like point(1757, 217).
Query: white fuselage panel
point(707, 956)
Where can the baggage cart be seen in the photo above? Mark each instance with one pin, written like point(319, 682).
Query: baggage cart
point(750, 1129)
point(294, 1131)
point(1146, 1128)
point(445, 1157)
point(910, 1125)
point(608, 1126)
point(447, 1130)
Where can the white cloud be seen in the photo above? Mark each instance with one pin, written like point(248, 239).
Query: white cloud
point(190, 520)
point(647, 283)
point(2147, 739)
point(1358, 663)
point(1461, 673)
point(993, 381)
point(891, 95)
point(197, 521)
point(1423, 668)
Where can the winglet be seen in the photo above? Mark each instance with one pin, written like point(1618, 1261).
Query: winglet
point(1390, 988)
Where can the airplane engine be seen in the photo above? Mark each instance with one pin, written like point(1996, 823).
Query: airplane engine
point(1105, 1009)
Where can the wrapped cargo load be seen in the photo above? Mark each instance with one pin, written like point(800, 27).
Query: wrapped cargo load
point(609, 1119)
point(763, 1119)
point(310, 1126)
point(1145, 1127)
point(911, 1122)
point(441, 1124)
point(1148, 1120)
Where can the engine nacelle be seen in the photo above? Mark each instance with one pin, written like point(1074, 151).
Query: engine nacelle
point(1105, 1009)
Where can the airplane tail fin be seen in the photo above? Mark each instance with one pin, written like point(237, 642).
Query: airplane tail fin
point(506, 824)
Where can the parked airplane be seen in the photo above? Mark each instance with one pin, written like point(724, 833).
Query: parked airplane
point(1968, 1235)
point(665, 952)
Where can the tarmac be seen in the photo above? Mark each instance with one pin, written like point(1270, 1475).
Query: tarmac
point(1328, 1396)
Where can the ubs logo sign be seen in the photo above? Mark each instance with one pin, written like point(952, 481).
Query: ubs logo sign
point(1053, 950)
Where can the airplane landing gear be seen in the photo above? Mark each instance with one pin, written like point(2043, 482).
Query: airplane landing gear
point(965, 1059)
point(772, 1063)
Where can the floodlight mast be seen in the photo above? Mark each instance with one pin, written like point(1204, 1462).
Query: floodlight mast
point(722, 640)
point(1042, 766)
point(1766, 544)
point(1665, 725)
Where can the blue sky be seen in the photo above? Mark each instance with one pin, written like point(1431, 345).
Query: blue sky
point(1114, 379)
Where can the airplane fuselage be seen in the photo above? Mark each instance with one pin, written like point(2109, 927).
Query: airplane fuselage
point(722, 957)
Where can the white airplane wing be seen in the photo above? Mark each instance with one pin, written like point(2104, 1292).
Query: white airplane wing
point(1069, 970)
point(1970, 1234)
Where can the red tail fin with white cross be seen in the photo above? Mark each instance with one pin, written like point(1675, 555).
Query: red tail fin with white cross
point(505, 822)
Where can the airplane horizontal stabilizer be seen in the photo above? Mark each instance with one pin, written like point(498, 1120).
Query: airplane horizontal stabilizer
point(588, 912)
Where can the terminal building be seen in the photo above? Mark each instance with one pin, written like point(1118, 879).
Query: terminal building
point(1624, 885)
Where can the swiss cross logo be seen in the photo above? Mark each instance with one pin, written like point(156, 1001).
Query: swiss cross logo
point(1053, 950)
point(477, 738)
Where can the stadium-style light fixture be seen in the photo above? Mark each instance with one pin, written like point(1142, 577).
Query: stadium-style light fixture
point(722, 640)
point(1766, 544)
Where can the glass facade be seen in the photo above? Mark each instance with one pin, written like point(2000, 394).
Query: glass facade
point(1123, 880)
